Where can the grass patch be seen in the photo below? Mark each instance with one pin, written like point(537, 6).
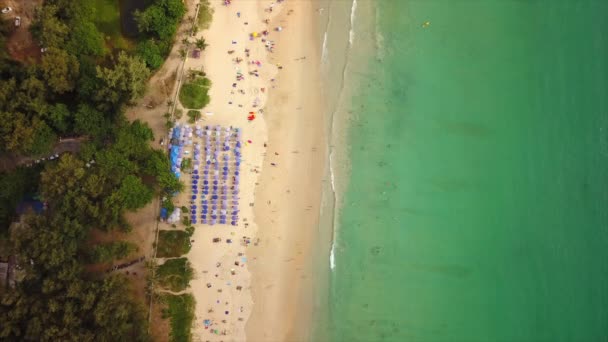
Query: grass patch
point(193, 115)
point(107, 20)
point(205, 14)
point(194, 94)
point(174, 274)
point(172, 243)
point(180, 311)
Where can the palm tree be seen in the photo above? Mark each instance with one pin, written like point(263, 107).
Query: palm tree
point(201, 44)
point(182, 53)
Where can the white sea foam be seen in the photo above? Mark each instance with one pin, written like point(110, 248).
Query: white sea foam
point(332, 263)
point(351, 33)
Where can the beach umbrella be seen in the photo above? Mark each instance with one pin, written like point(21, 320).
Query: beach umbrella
point(233, 223)
point(193, 197)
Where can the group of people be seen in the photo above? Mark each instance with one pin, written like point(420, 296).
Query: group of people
point(223, 281)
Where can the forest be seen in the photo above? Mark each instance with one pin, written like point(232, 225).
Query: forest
point(78, 88)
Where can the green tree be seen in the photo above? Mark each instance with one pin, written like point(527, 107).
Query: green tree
point(161, 18)
point(43, 138)
point(47, 28)
point(58, 116)
point(125, 82)
point(158, 165)
point(201, 43)
point(182, 53)
point(107, 252)
point(56, 301)
point(17, 132)
point(89, 121)
point(134, 193)
point(59, 69)
point(150, 52)
point(30, 97)
point(85, 39)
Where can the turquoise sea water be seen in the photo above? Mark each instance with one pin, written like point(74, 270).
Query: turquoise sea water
point(477, 204)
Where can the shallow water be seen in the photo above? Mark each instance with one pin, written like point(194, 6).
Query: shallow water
point(476, 204)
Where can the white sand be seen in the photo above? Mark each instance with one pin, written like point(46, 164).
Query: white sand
point(287, 196)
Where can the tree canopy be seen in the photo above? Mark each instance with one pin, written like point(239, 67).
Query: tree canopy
point(78, 87)
point(124, 82)
point(160, 19)
point(56, 300)
point(59, 70)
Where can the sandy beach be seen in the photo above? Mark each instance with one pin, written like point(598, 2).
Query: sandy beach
point(261, 291)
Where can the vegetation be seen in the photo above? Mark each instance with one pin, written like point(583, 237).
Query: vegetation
point(194, 115)
point(205, 14)
point(123, 83)
point(99, 194)
point(174, 274)
point(157, 25)
point(180, 310)
point(107, 252)
point(14, 186)
point(107, 20)
point(200, 43)
point(56, 300)
point(172, 243)
point(86, 76)
point(194, 94)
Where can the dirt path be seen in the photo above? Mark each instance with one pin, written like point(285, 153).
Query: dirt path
point(20, 44)
point(158, 100)
point(11, 161)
